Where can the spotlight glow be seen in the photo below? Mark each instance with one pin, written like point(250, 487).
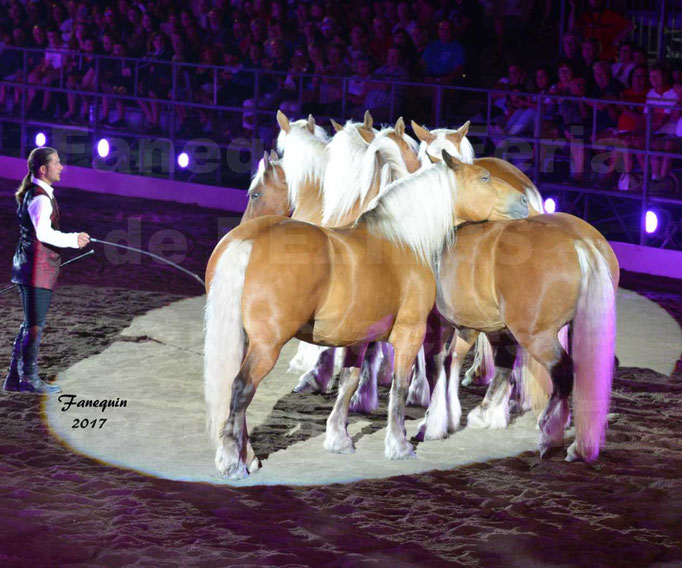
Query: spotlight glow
point(651, 222)
point(103, 148)
point(550, 205)
point(183, 160)
point(41, 139)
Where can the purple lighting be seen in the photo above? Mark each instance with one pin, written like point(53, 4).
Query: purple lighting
point(103, 148)
point(183, 160)
point(41, 139)
point(550, 205)
point(651, 222)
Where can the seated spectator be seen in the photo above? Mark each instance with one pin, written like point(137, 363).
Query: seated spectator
point(82, 76)
point(631, 124)
point(589, 51)
point(358, 86)
point(420, 40)
point(660, 98)
point(402, 40)
point(404, 21)
point(384, 97)
point(605, 87)
point(443, 59)
point(640, 57)
point(623, 67)
point(571, 115)
point(505, 105)
point(13, 64)
point(381, 41)
point(117, 78)
point(155, 80)
point(605, 26)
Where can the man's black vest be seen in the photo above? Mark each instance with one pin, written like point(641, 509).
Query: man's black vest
point(35, 263)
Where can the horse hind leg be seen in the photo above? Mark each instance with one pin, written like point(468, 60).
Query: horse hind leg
point(321, 377)
point(552, 422)
point(420, 390)
point(482, 371)
point(366, 399)
point(235, 457)
point(493, 412)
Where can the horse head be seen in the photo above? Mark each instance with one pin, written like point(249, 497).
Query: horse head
point(482, 197)
point(268, 192)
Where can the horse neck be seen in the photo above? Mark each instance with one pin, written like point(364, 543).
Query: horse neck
point(308, 206)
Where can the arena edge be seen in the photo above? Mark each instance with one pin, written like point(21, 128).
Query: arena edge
point(102, 404)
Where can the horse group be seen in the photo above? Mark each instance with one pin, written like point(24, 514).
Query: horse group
point(373, 242)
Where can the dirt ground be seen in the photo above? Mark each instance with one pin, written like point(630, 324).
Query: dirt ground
point(58, 508)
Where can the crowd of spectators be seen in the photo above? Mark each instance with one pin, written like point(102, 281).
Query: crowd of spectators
point(362, 48)
point(596, 61)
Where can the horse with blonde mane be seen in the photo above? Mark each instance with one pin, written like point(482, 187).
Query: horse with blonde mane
point(353, 165)
point(534, 382)
point(275, 278)
point(494, 278)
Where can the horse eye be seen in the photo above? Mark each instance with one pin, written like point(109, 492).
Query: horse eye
point(255, 196)
point(486, 178)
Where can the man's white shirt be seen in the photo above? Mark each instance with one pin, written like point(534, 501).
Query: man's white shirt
point(40, 211)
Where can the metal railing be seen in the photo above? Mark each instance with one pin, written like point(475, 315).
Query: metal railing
point(434, 104)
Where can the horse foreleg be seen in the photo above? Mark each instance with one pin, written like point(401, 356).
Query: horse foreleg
point(337, 439)
point(235, 457)
point(493, 412)
point(406, 341)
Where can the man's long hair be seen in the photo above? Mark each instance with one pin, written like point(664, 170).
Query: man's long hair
point(38, 157)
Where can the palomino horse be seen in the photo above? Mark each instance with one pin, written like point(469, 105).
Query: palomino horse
point(275, 278)
point(332, 185)
point(534, 381)
point(527, 279)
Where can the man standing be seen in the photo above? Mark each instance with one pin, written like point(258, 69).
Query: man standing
point(36, 265)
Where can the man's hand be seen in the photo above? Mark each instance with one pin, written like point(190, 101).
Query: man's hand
point(83, 239)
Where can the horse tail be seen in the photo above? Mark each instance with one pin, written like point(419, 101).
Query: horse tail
point(593, 349)
point(534, 198)
point(224, 335)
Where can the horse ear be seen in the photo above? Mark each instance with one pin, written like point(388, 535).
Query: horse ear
point(273, 155)
point(367, 135)
point(462, 130)
point(368, 120)
point(336, 125)
point(311, 124)
point(283, 121)
point(452, 162)
point(422, 133)
point(400, 127)
point(266, 160)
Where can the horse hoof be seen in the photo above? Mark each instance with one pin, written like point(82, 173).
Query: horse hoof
point(236, 472)
point(477, 419)
point(307, 384)
point(547, 445)
point(574, 454)
point(340, 445)
point(403, 451)
point(430, 432)
point(255, 465)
